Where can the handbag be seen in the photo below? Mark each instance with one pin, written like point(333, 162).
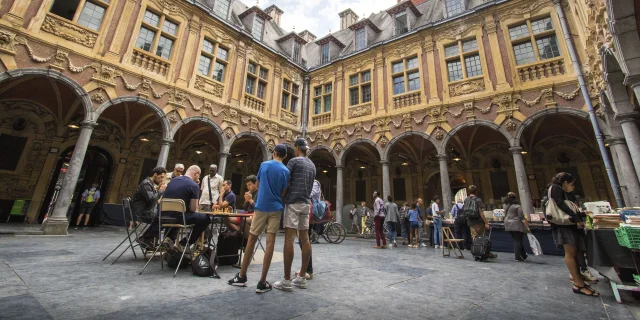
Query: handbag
point(555, 215)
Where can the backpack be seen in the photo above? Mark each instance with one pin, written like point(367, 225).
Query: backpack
point(319, 209)
point(90, 195)
point(404, 213)
point(470, 209)
point(205, 264)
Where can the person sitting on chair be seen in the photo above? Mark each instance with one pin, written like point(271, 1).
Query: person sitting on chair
point(186, 189)
point(144, 203)
point(227, 202)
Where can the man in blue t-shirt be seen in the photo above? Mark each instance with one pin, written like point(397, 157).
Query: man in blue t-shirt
point(186, 189)
point(273, 179)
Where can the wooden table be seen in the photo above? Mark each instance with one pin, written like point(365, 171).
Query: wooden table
point(242, 216)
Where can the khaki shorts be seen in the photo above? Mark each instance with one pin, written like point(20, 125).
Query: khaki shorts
point(477, 229)
point(296, 216)
point(270, 220)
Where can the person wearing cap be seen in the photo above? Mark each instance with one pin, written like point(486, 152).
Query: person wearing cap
point(296, 214)
point(272, 180)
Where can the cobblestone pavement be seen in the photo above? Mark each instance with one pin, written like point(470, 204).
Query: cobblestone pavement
point(47, 277)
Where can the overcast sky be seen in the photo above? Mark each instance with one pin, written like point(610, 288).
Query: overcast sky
point(318, 16)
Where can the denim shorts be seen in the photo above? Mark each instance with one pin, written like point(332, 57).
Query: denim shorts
point(414, 225)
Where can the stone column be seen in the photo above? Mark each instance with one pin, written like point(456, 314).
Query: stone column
point(625, 163)
point(420, 183)
point(222, 167)
point(523, 181)
point(57, 223)
point(386, 185)
point(632, 136)
point(164, 153)
point(339, 193)
point(444, 181)
point(491, 26)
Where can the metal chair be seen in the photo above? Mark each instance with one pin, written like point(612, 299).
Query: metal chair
point(127, 213)
point(169, 223)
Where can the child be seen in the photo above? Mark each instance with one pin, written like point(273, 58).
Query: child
point(414, 225)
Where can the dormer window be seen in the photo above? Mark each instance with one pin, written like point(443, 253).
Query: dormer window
point(402, 25)
point(258, 27)
point(296, 52)
point(325, 53)
point(361, 39)
point(221, 8)
point(454, 7)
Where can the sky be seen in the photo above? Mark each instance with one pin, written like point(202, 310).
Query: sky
point(318, 16)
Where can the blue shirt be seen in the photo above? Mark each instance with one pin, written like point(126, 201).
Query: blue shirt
point(274, 178)
point(413, 215)
point(183, 188)
point(230, 198)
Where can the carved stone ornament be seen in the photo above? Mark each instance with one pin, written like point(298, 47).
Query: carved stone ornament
point(173, 116)
point(178, 98)
point(510, 126)
point(209, 86)
point(467, 87)
point(228, 132)
point(289, 118)
point(359, 111)
point(69, 31)
point(7, 43)
point(337, 148)
point(271, 145)
point(97, 98)
point(383, 142)
point(288, 135)
point(439, 134)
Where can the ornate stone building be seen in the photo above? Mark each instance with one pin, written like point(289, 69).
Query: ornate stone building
point(421, 99)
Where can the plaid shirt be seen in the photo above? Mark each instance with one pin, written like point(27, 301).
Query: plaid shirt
point(303, 173)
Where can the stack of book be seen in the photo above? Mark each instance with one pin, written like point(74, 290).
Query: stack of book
point(606, 220)
point(633, 220)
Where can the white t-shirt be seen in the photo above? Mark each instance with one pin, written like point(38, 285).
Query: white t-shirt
point(215, 183)
point(435, 209)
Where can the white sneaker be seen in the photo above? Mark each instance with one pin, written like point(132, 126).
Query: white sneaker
point(284, 285)
point(423, 245)
point(300, 282)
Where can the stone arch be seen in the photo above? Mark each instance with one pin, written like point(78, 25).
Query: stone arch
point(627, 39)
point(82, 94)
point(399, 137)
point(265, 148)
point(581, 114)
point(166, 127)
point(346, 150)
point(322, 147)
point(473, 123)
point(206, 120)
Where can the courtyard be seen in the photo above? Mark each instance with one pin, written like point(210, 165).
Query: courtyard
point(64, 277)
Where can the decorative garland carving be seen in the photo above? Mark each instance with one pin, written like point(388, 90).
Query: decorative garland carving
point(358, 64)
point(209, 86)
point(457, 30)
point(359, 111)
point(401, 50)
point(467, 87)
point(69, 31)
point(526, 8)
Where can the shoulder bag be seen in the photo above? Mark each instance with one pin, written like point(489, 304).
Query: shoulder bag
point(555, 215)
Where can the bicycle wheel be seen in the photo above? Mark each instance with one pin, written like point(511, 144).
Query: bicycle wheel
point(369, 232)
point(314, 237)
point(332, 233)
point(342, 231)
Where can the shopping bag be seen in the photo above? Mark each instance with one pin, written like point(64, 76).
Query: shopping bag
point(535, 245)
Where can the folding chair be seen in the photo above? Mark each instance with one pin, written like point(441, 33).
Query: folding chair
point(127, 213)
point(452, 243)
point(169, 223)
point(259, 244)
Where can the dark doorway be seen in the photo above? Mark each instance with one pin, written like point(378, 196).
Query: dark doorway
point(96, 168)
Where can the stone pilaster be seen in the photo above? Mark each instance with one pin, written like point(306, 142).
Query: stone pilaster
point(222, 167)
point(164, 153)
point(624, 165)
point(444, 181)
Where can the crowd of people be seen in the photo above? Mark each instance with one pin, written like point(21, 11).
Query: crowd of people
point(276, 192)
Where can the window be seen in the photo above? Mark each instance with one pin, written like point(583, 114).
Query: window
point(321, 96)
point(454, 7)
point(213, 54)
point(360, 88)
point(290, 94)
point(534, 41)
point(257, 79)
point(9, 160)
point(463, 60)
point(157, 32)
point(90, 16)
point(402, 25)
point(325, 53)
point(258, 26)
point(405, 75)
point(221, 8)
point(296, 52)
point(361, 39)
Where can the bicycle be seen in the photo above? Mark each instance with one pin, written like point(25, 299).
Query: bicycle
point(369, 229)
point(332, 232)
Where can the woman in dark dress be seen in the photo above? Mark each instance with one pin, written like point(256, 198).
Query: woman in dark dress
point(568, 236)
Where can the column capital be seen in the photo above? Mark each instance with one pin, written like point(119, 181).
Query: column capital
point(626, 117)
point(443, 157)
point(615, 141)
point(384, 162)
point(632, 81)
point(88, 125)
point(516, 150)
point(225, 154)
point(339, 167)
point(167, 141)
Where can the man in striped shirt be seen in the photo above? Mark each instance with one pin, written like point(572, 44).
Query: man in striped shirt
point(296, 214)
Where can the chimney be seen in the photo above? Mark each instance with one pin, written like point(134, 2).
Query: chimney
point(347, 18)
point(307, 36)
point(274, 12)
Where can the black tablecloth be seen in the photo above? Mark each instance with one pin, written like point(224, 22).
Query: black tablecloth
point(603, 250)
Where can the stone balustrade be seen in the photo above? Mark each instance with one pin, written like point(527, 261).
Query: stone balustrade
point(542, 70)
point(254, 103)
point(407, 100)
point(149, 62)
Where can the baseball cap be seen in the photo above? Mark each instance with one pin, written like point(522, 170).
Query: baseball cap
point(301, 143)
point(281, 148)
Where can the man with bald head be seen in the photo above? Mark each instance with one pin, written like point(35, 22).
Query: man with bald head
point(210, 189)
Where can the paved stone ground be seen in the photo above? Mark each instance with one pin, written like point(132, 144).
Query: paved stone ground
point(47, 277)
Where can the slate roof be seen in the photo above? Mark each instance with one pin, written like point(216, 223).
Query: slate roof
point(429, 13)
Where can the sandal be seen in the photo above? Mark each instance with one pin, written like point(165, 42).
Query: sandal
point(591, 292)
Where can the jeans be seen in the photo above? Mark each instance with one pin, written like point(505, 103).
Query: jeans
point(437, 232)
point(421, 223)
point(518, 244)
point(379, 227)
point(462, 232)
point(393, 234)
point(405, 228)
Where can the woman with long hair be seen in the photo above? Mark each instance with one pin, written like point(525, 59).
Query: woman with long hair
point(568, 236)
point(516, 225)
